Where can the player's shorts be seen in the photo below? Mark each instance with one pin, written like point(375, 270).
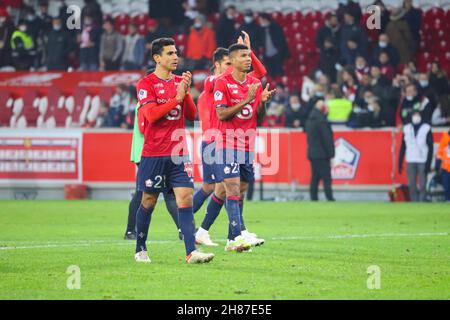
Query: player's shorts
point(234, 163)
point(160, 174)
point(208, 162)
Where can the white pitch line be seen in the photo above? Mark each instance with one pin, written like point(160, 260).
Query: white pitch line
point(88, 243)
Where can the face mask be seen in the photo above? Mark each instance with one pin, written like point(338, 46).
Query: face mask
point(360, 66)
point(343, 2)
point(409, 98)
point(319, 94)
point(248, 19)
point(423, 83)
point(416, 119)
point(57, 28)
point(295, 106)
point(30, 17)
point(382, 44)
point(198, 25)
point(23, 28)
point(230, 16)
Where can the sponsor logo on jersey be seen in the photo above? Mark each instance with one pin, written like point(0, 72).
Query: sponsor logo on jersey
point(218, 95)
point(142, 94)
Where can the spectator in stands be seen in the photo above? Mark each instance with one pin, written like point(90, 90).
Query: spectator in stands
point(226, 30)
point(417, 145)
point(57, 47)
point(339, 107)
point(201, 44)
point(253, 29)
point(441, 115)
point(387, 70)
point(384, 15)
point(400, 35)
point(384, 45)
point(331, 31)
point(6, 31)
point(413, 17)
point(89, 41)
point(111, 47)
point(329, 56)
point(349, 84)
point(320, 150)
point(353, 40)
point(361, 67)
point(349, 6)
point(22, 45)
point(386, 94)
point(46, 19)
point(154, 31)
point(36, 29)
point(295, 112)
point(275, 117)
point(134, 53)
point(366, 112)
point(439, 81)
point(414, 102)
point(92, 8)
point(102, 117)
point(275, 46)
point(119, 106)
point(425, 89)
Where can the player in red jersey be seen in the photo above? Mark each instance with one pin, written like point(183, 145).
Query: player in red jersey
point(210, 123)
point(165, 103)
point(237, 99)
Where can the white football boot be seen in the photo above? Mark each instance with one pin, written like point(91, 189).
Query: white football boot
point(199, 257)
point(142, 256)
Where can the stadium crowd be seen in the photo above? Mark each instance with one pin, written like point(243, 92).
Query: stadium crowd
point(364, 83)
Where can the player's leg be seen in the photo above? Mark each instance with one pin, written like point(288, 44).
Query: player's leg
point(143, 218)
point(133, 206)
point(208, 176)
point(315, 178)
point(212, 212)
point(180, 179)
point(171, 206)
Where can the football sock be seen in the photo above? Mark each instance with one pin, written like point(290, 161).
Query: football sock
point(143, 218)
point(199, 198)
point(171, 205)
point(241, 214)
point(212, 211)
point(187, 226)
point(132, 211)
point(232, 207)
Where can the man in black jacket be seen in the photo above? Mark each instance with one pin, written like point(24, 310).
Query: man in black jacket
point(320, 150)
point(275, 46)
point(57, 47)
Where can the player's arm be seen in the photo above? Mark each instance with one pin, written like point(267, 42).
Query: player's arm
point(224, 112)
point(259, 71)
point(141, 119)
point(190, 108)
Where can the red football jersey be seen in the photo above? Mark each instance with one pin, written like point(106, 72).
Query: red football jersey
point(158, 140)
point(239, 131)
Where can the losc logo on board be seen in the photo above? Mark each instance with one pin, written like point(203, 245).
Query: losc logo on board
point(345, 161)
point(34, 79)
point(121, 77)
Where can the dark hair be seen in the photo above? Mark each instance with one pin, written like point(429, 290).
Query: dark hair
point(219, 54)
point(266, 16)
point(159, 44)
point(236, 47)
point(110, 21)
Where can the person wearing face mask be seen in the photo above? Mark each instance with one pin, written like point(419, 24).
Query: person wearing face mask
point(254, 30)
point(134, 53)
point(89, 41)
point(320, 150)
point(201, 44)
point(22, 45)
point(417, 146)
point(294, 112)
point(383, 45)
point(415, 102)
point(353, 40)
point(57, 47)
point(226, 29)
point(6, 30)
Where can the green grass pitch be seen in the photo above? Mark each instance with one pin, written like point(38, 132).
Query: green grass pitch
point(312, 251)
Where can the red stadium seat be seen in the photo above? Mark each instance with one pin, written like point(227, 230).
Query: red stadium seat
point(31, 108)
point(121, 23)
point(79, 97)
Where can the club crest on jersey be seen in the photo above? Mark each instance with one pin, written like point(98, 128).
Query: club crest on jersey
point(189, 169)
point(218, 96)
point(148, 183)
point(246, 112)
point(227, 170)
point(174, 114)
point(142, 94)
